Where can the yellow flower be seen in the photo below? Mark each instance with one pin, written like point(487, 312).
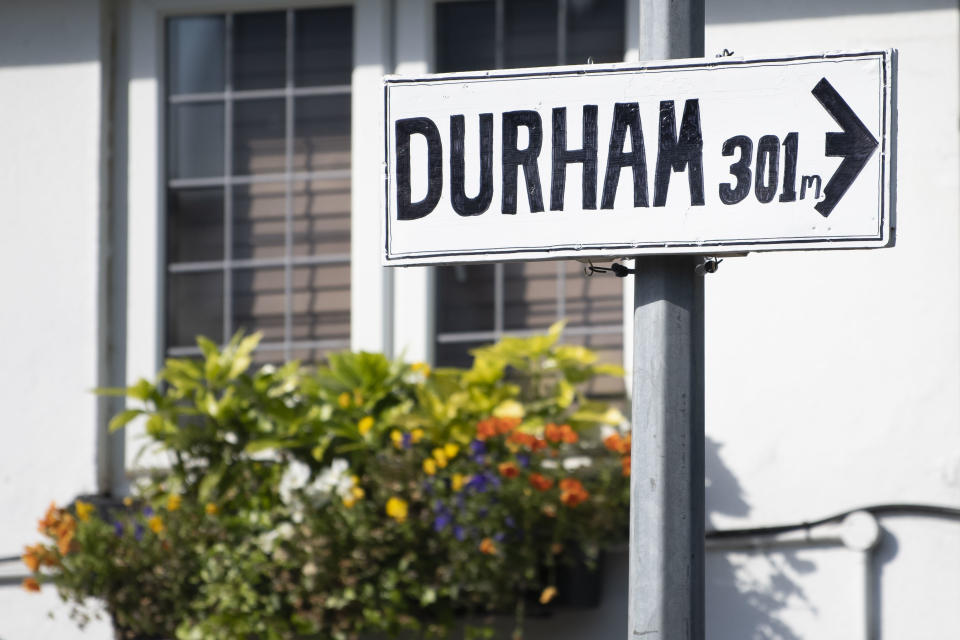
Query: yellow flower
point(344, 400)
point(397, 437)
point(429, 467)
point(349, 501)
point(357, 397)
point(458, 480)
point(358, 493)
point(397, 508)
point(548, 594)
point(84, 510)
point(451, 450)
point(155, 524)
point(421, 367)
point(365, 424)
point(509, 409)
point(128, 501)
point(440, 457)
point(211, 509)
point(173, 502)
point(416, 435)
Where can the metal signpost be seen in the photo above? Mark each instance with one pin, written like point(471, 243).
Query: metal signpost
point(666, 161)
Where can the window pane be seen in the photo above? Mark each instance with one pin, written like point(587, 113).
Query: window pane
point(465, 36)
point(321, 217)
point(465, 298)
point(194, 307)
point(259, 221)
point(194, 225)
point(321, 303)
point(595, 30)
point(530, 295)
point(195, 54)
point(592, 301)
point(258, 137)
point(530, 33)
point(258, 302)
point(456, 354)
point(323, 47)
point(196, 140)
point(259, 50)
point(322, 133)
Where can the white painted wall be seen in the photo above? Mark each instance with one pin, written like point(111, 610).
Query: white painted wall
point(49, 204)
point(833, 379)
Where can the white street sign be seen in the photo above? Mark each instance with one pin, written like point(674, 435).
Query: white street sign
point(682, 156)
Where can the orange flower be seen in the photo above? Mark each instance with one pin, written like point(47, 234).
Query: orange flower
point(625, 463)
point(506, 425)
point(540, 482)
point(491, 427)
point(488, 546)
point(64, 533)
point(31, 584)
point(617, 443)
point(51, 520)
point(572, 492)
point(31, 557)
point(548, 594)
point(560, 433)
point(508, 469)
point(486, 429)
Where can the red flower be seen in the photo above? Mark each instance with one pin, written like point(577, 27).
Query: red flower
point(540, 482)
point(508, 469)
point(572, 492)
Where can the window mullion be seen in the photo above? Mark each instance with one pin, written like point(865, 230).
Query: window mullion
point(228, 189)
point(562, 32)
point(288, 198)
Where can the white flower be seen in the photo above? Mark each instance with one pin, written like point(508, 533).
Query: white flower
point(576, 462)
point(294, 478)
point(334, 479)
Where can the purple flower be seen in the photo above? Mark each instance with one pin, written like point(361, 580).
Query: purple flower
point(478, 447)
point(407, 439)
point(459, 533)
point(510, 522)
point(118, 528)
point(148, 511)
point(138, 532)
point(481, 482)
point(441, 522)
point(523, 459)
point(499, 536)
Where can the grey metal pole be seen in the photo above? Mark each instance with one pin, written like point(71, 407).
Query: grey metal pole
point(667, 472)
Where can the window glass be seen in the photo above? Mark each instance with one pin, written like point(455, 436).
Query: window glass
point(195, 48)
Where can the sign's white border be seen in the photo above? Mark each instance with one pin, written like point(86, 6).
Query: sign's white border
point(884, 237)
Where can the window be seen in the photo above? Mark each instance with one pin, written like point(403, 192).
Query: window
point(258, 180)
point(477, 304)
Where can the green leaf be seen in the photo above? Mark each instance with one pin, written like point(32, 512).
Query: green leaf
point(262, 444)
point(120, 420)
point(209, 484)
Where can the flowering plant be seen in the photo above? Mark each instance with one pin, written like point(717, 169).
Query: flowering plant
point(365, 496)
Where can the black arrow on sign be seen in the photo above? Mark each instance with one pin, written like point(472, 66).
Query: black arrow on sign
point(855, 145)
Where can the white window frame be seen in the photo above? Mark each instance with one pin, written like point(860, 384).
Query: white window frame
point(146, 179)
